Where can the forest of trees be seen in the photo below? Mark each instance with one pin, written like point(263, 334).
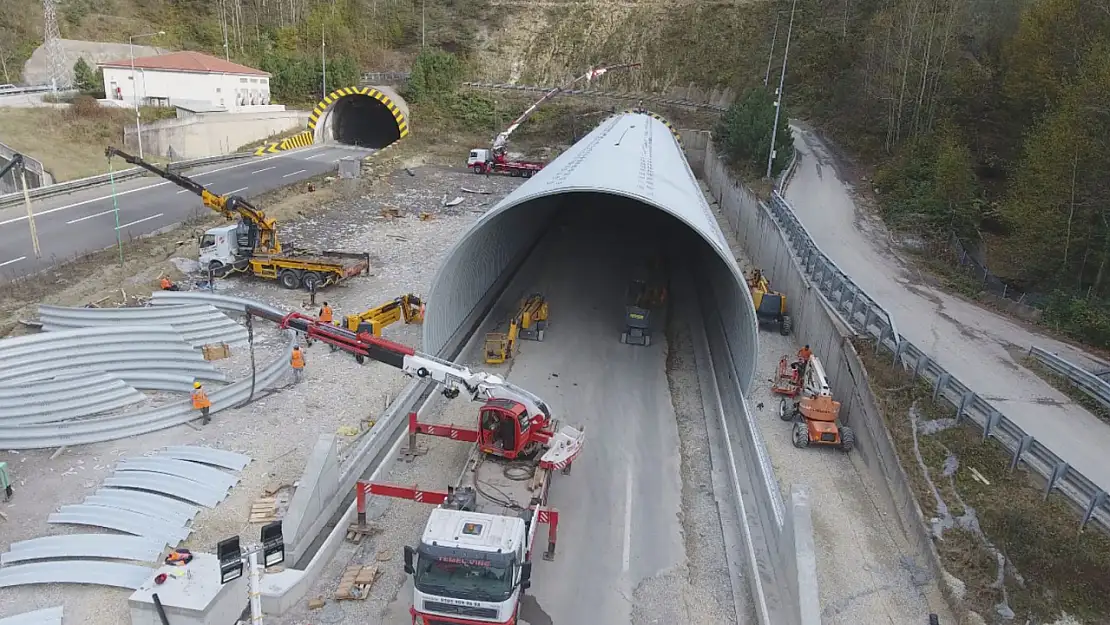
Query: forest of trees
point(989, 118)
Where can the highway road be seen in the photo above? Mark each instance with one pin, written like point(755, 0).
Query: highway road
point(974, 344)
point(85, 221)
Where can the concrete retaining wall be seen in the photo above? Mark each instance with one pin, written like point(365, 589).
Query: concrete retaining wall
point(823, 328)
point(212, 134)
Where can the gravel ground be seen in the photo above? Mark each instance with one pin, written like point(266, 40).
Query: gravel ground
point(864, 569)
point(279, 429)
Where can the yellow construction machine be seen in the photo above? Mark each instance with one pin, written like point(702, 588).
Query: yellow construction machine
point(529, 323)
point(408, 307)
point(770, 306)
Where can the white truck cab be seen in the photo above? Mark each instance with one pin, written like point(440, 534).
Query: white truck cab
point(470, 566)
point(478, 156)
point(220, 246)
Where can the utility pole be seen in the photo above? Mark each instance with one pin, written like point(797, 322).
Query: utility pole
point(324, 66)
point(135, 88)
point(52, 42)
point(778, 94)
point(223, 22)
point(423, 4)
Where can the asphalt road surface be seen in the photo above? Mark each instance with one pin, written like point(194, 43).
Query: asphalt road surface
point(974, 344)
point(85, 221)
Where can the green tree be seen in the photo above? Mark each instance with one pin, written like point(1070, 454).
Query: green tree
point(434, 74)
point(86, 80)
point(745, 133)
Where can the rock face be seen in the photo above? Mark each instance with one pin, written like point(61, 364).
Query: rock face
point(36, 71)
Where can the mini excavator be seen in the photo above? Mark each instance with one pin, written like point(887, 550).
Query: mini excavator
point(816, 415)
point(528, 323)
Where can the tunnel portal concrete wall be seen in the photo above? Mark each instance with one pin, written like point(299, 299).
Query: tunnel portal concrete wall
point(212, 134)
point(323, 122)
point(633, 155)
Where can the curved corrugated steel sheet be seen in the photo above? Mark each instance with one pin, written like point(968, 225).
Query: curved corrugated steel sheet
point(198, 324)
point(630, 155)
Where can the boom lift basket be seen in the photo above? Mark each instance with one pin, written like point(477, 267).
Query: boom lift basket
point(787, 380)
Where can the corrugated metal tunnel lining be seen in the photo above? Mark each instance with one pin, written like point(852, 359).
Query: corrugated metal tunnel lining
point(629, 164)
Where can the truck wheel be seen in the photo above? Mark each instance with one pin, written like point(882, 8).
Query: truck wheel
point(289, 279)
point(624, 338)
point(847, 438)
point(477, 169)
point(527, 173)
point(218, 269)
point(515, 173)
point(647, 340)
point(787, 325)
point(539, 335)
point(312, 281)
point(360, 359)
point(786, 413)
point(799, 435)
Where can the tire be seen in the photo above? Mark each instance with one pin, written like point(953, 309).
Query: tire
point(477, 169)
point(787, 325)
point(786, 413)
point(847, 438)
point(218, 269)
point(539, 335)
point(311, 280)
point(515, 173)
point(799, 435)
point(934, 619)
point(527, 173)
point(647, 340)
point(289, 279)
point(360, 359)
point(624, 338)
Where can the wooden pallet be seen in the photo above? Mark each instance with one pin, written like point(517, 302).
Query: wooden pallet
point(264, 510)
point(356, 532)
point(356, 582)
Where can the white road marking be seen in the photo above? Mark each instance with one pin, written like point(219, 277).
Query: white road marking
point(313, 156)
point(259, 171)
point(150, 186)
point(627, 521)
point(299, 171)
point(14, 260)
point(182, 191)
point(236, 191)
point(73, 221)
point(139, 221)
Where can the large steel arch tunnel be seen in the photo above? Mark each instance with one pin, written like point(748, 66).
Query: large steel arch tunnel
point(369, 117)
point(627, 175)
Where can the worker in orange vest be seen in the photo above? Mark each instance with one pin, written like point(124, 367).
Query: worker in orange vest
point(804, 354)
point(297, 361)
point(168, 285)
point(201, 402)
point(325, 314)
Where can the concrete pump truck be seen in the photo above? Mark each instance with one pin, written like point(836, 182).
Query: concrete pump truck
point(474, 559)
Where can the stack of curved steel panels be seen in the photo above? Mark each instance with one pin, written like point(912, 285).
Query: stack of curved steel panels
point(226, 303)
point(198, 324)
point(144, 356)
point(64, 397)
point(142, 499)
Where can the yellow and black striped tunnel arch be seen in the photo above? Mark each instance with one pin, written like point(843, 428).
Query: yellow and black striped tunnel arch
point(666, 122)
point(362, 116)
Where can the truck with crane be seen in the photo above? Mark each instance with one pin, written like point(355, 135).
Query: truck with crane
point(495, 159)
point(474, 560)
point(251, 245)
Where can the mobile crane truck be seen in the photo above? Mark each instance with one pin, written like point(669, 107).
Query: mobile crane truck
point(251, 245)
point(474, 560)
point(496, 158)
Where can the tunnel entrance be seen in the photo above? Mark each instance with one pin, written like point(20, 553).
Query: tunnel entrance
point(363, 121)
point(585, 252)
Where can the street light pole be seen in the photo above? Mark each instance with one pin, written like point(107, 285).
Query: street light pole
point(782, 81)
point(135, 86)
point(423, 4)
point(324, 66)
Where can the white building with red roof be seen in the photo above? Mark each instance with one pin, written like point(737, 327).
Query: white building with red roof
point(192, 80)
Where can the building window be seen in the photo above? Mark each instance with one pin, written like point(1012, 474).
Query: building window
point(242, 80)
point(217, 89)
point(265, 81)
point(254, 80)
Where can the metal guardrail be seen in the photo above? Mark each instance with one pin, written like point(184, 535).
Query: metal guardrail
point(869, 319)
point(1086, 381)
point(31, 89)
point(601, 94)
point(61, 188)
point(383, 78)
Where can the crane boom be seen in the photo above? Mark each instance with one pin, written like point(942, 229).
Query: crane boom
point(455, 378)
point(502, 139)
point(17, 161)
point(230, 206)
